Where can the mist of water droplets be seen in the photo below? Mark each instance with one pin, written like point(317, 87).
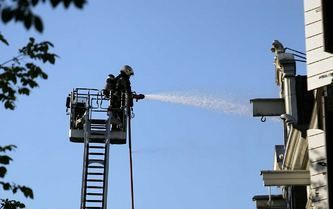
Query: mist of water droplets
point(203, 101)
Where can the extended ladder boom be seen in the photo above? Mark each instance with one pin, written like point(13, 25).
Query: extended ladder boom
point(96, 124)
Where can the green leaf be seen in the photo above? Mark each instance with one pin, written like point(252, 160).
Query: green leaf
point(38, 24)
point(52, 59)
point(19, 14)
point(48, 43)
point(3, 171)
point(28, 21)
point(7, 14)
point(25, 91)
point(30, 65)
point(5, 159)
point(8, 147)
point(66, 3)
point(34, 2)
point(6, 186)
point(31, 40)
point(3, 40)
point(17, 69)
point(79, 3)
point(32, 84)
point(9, 105)
point(55, 3)
point(27, 192)
point(44, 75)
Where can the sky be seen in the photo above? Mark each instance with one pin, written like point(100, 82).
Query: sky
point(183, 156)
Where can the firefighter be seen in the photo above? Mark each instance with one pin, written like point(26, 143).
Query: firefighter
point(110, 85)
point(122, 90)
point(123, 85)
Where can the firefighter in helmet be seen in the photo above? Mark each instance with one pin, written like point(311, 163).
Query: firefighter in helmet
point(120, 90)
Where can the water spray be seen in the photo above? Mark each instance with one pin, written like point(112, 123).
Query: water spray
point(203, 101)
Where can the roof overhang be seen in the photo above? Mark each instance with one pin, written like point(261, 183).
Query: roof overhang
point(286, 178)
point(270, 202)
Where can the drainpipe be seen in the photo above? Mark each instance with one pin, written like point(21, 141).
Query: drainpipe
point(288, 66)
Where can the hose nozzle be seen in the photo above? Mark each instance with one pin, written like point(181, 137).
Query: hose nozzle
point(137, 97)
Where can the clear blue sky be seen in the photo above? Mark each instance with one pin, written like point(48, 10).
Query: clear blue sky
point(184, 157)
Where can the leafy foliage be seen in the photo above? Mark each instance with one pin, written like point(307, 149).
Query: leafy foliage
point(17, 78)
point(22, 11)
point(3, 40)
point(10, 147)
point(20, 78)
point(6, 186)
point(11, 204)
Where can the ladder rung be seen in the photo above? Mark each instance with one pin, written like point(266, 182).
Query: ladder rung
point(94, 187)
point(94, 173)
point(95, 180)
point(94, 200)
point(97, 147)
point(98, 128)
point(98, 140)
point(95, 166)
point(95, 153)
point(95, 194)
point(96, 161)
point(97, 121)
point(95, 132)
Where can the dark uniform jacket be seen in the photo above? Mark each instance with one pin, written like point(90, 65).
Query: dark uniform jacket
point(122, 85)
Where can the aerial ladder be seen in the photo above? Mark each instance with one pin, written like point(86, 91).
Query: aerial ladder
point(96, 124)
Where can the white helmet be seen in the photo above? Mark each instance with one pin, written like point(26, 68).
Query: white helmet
point(127, 70)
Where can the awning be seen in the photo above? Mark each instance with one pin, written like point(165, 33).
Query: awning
point(286, 178)
point(270, 202)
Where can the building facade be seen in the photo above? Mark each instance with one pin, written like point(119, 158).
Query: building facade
point(306, 108)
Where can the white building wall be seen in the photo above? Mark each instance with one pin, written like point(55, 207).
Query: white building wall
point(319, 62)
point(318, 169)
